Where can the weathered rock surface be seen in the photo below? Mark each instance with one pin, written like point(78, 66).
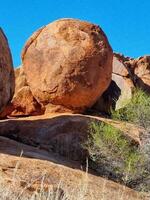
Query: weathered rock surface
point(67, 135)
point(23, 102)
point(121, 76)
point(7, 81)
point(119, 68)
point(128, 73)
point(20, 79)
point(64, 134)
point(142, 72)
point(139, 70)
point(120, 90)
point(54, 173)
point(126, 87)
point(68, 63)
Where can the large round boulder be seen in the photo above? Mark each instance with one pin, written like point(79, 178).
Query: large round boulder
point(68, 63)
point(7, 80)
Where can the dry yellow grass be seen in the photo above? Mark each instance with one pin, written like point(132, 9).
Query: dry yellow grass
point(34, 190)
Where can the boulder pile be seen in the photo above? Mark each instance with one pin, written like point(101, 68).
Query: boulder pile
point(68, 71)
point(127, 74)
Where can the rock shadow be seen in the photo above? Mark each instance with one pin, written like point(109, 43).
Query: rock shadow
point(58, 139)
point(108, 100)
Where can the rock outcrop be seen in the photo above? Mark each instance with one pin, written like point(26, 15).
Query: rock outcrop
point(23, 102)
point(67, 135)
point(140, 71)
point(61, 133)
point(120, 90)
point(68, 67)
point(20, 79)
point(64, 135)
point(7, 80)
point(127, 74)
point(52, 173)
point(68, 63)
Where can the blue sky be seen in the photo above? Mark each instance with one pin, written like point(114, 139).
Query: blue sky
point(126, 22)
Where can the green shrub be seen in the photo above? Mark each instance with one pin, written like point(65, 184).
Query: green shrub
point(113, 155)
point(137, 111)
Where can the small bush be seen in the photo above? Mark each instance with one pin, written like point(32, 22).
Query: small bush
point(112, 155)
point(137, 111)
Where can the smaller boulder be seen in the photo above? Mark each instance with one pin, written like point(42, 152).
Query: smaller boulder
point(20, 79)
point(120, 90)
point(24, 104)
point(126, 87)
point(119, 67)
point(142, 73)
point(139, 71)
point(142, 66)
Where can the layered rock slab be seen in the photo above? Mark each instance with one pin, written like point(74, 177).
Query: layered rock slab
point(72, 182)
point(62, 133)
point(68, 135)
